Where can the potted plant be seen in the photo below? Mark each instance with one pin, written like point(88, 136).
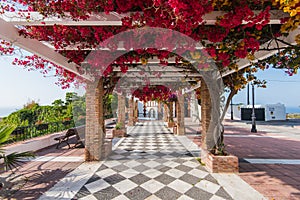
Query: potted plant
point(171, 123)
point(220, 163)
point(119, 130)
point(218, 160)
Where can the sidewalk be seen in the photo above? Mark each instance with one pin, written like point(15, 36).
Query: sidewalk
point(151, 163)
point(278, 178)
point(37, 176)
point(269, 159)
point(50, 165)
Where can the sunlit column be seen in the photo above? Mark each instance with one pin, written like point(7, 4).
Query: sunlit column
point(95, 127)
point(131, 112)
point(180, 115)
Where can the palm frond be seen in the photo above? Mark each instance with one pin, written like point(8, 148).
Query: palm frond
point(1, 151)
point(14, 160)
point(5, 132)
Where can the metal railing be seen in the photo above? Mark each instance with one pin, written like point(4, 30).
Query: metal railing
point(26, 132)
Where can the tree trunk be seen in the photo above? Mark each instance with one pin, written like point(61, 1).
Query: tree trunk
point(231, 94)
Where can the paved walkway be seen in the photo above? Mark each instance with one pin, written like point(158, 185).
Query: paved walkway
point(40, 174)
point(151, 163)
point(269, 159)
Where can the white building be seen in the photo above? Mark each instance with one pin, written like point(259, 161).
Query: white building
point(272, 112)
point(275, 112)
point(151, 110)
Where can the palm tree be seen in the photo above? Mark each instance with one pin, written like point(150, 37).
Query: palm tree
point(12, 160)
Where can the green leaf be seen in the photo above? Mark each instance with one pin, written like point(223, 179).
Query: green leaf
point(5, 132)
point(14, 160)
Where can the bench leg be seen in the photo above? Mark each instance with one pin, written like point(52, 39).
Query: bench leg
point(68, 144)
point(58, 144)
point(61, 141)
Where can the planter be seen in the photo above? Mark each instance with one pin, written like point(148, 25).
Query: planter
point(171, 124)
point(174, 129)
point(119, 132)
point(220, 164)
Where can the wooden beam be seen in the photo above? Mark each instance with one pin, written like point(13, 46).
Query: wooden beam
point(261, 55)
point(36, 19)
point(82, 46)
point(103, 19)
point(10, 33)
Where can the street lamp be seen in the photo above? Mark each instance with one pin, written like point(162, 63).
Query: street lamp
point(253, 129)
point(231, 108)
point(248, 91)
point(248, 98)
point(144, 114)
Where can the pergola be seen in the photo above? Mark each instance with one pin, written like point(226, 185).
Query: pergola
point(184, 77)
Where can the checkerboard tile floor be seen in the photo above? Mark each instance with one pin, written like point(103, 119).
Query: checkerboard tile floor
point(151, 164)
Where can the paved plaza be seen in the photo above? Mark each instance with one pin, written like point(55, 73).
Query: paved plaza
point(269, 159)
point(153, 163)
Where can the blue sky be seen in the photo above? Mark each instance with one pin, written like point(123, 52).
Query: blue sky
point(18, 86)
point(281, 88)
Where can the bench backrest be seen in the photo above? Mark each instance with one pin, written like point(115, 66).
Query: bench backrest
point(80, 133)
point(71, 132)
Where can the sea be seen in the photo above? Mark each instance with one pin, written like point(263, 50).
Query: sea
point(4, 112)
point(8, 110)
point(293, 109)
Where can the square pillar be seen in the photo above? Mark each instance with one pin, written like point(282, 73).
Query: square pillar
point(136, 111)
point(131, 112)
point(95, 127)
point(121, 110)
point(166, 111)
point(159, 109)
point(195, 114)
point(171, 114)
point(206, 107)
point(180, 115)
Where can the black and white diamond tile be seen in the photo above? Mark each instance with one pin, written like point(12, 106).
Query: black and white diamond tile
point(151, 164)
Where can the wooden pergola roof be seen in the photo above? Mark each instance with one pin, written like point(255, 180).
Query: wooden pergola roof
point(10, 22)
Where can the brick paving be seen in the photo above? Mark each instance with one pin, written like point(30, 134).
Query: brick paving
point(274, 140)
point(274, 181)
point(36, 177)
point(277, 181)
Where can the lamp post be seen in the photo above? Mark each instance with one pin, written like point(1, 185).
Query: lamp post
point(248, 90)
point(144, 114)
point(253, 129)
point(231, 108)
point(248, 95)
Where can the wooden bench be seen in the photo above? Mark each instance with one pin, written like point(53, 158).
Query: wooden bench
point(65, 138)
point(79, 133)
